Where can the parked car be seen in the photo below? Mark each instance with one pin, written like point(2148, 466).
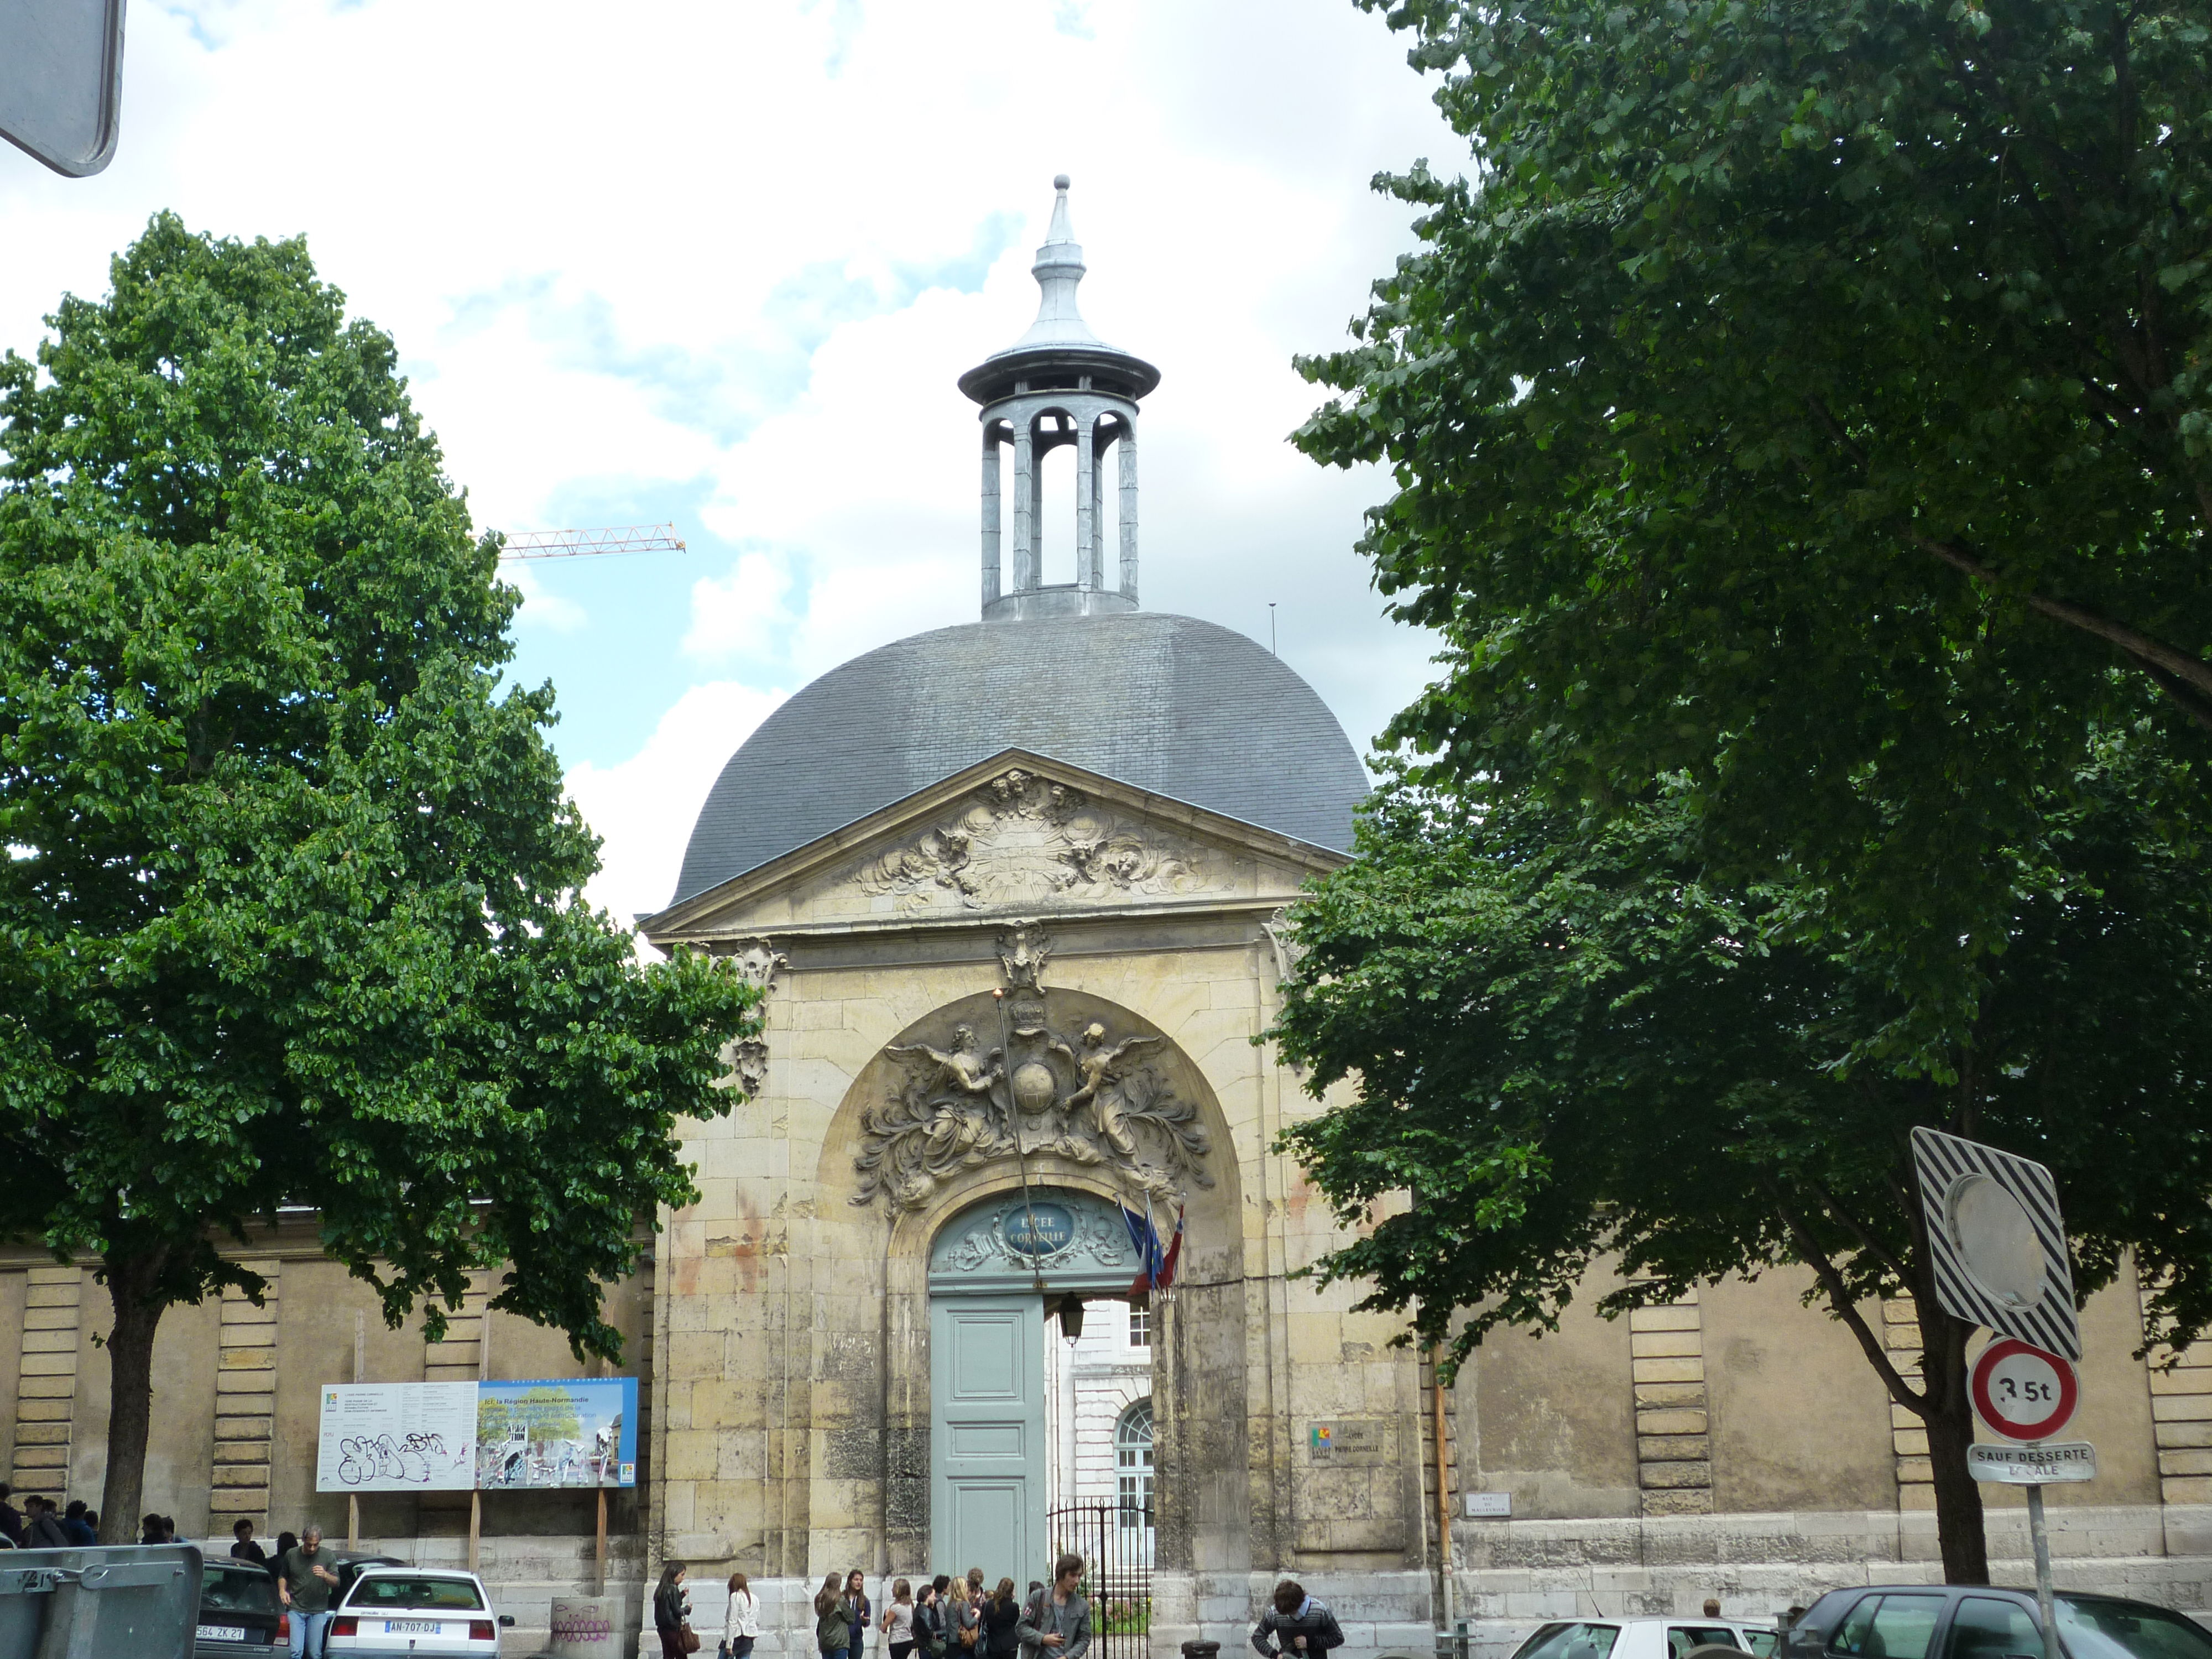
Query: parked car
point(414, 1613)
point(349, 1564)
point(239, 1617)
point(1643, 1638)
point(1963, 1621)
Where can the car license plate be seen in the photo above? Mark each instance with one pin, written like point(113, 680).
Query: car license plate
point(223, 1632)
point(411, 1627)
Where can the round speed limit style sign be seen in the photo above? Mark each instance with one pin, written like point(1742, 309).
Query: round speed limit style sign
point(2023, 1393)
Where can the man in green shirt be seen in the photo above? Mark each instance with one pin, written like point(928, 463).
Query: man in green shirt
point(306, 1581)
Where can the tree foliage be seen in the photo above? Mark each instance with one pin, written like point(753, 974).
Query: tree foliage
point(290, 906)
point(1811, 402)
point(1569, 1042)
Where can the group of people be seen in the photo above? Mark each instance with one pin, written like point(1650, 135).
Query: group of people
point(43, 1524)
point(948, 1617)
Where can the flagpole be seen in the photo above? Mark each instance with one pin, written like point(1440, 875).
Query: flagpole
point(1014, 1123)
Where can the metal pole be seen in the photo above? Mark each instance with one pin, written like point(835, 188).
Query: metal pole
point(1444, 1487)
point(360, 1366)
point(2041, 1539)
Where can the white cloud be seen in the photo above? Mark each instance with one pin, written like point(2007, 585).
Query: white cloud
point(741, 614)
point(644, 807)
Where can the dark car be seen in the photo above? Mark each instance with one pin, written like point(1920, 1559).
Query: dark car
point(1962, 1621)
point(239, 1617)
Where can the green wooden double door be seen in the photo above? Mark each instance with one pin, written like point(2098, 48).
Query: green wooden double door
point(987, 1438)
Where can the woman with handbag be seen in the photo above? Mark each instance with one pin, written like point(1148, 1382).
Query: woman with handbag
point(741, 1624)
point(833, 1618)
point(671, 1613)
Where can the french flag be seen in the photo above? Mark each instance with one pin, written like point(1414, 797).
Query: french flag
point(1155, 1266)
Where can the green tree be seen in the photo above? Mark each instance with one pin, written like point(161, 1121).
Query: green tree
point(1568, 1042)
point(1814, 402)
point(291, 906)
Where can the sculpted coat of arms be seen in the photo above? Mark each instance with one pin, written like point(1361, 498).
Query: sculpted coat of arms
point(1083, 1093)
point(1022, 838)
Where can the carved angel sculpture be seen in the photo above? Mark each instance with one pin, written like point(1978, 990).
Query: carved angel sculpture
point(964, 1068)
point(1100, 1068)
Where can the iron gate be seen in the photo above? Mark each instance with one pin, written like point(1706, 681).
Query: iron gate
point(1116, 1543)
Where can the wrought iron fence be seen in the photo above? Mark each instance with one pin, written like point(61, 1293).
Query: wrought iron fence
point(1116, 1543)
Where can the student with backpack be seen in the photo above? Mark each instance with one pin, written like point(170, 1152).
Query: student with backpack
point(1055, 1622)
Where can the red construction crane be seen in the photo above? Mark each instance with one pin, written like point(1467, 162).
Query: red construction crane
point(578, 544)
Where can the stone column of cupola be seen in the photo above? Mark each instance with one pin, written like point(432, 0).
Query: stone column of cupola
point(1125, 461)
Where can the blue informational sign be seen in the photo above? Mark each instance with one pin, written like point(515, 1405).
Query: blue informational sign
point(1038, 1229)
point(556, 1431)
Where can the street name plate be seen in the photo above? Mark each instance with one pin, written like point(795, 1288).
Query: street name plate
point(2034, 1466)
point(1489, 1506)
point(1353, 1442)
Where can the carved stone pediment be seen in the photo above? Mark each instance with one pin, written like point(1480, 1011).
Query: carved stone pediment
point(1076, 1090)
point(1025, 839)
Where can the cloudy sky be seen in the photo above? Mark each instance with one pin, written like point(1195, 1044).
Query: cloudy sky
point(718, 262)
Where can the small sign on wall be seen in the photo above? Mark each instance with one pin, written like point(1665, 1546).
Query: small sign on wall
point(1489, 1506)
point(1357, 1443)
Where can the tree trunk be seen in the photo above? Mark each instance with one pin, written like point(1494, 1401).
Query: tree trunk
point(1958, 1498)
point(130, 1286)
point(1950, 1422)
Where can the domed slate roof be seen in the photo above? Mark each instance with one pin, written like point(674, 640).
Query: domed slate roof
point(1169, 704)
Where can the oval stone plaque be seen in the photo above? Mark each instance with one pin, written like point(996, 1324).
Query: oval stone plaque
point(1037, 1229)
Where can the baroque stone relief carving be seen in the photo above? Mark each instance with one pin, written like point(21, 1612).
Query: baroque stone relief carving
point(1022, 838)
point(756, 962)
point(1079, 1091)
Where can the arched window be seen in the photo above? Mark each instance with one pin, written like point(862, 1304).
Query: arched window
point(1132, 1467)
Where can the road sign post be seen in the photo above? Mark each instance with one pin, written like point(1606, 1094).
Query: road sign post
point(2028, 1394)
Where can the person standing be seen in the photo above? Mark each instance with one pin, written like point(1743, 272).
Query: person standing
point(741, 1624)
point(1297, 1624)
point(286, 1543)
point(899, 1620)
point(1002, 1616)
point(833, 1618)
point(929, 1623)
point(304, 1583)
point(77, 1527)
point(44, 1530)
point(150, 1529)
point(671, 1607)
point(11, 1518)
point(856, 1592)
point(1055, 1622)
point(243, 1547)
point(967, 1625)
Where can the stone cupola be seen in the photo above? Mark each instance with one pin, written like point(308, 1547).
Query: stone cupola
point(1058, 384)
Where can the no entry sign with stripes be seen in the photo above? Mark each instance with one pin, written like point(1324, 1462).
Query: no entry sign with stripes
point(1998, 1241)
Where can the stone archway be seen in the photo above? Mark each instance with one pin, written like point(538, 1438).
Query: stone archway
point(931, 1128)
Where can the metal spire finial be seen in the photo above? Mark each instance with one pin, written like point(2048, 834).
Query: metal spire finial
point(1058, 269)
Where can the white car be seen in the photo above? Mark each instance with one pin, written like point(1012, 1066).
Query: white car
point(414, 1613)
point(1641, 1638)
